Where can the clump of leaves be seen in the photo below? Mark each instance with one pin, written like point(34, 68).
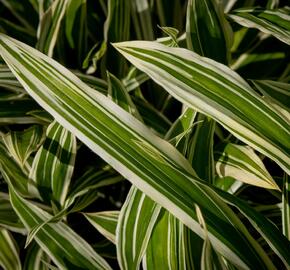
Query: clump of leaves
point(144, 134)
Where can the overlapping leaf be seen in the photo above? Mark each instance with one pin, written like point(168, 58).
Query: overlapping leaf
point(150, 163)
point(64, 246)
point(53, 164)
point(274, 22)
point(216, 91)
point(241, 163)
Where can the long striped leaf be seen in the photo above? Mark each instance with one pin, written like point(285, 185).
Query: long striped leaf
point(67, 249)
point(36, 258)
point(206, 25)
point(286, 206)
point(139, 213)
point(149, 162)
point(136, 221)
point(84, 190)
point(8, 218)
point(49, 26)
point(241, 163)
point(53, 164)
point(16, 112)
point(14, 175)
point(165, 249)
point(200, 149)
point(105, 223)
point(9, 257)
point(278, 91)
point(214, 90)
point(274, 22)
point(279, 243)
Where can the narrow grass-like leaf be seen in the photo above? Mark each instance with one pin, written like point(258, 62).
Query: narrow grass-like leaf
point(53, 164)
point(241, 163)
point(274, 22)
point(165, 249)
point(86, 185)
point(120, 96)
point(150, 163)
point(8, 80)
point(206, 25)
point(142, 20)
point(105, 223)
point(214, 90)
point(8, 218)
point(36, 258)
point(136, 221)
point(210, 260)
point(286, 206)
point(20, 144)
point(16, 112)
point(50, 25)
point(278, 242)
point(278, 91)
point(14, 175)
point(200, 148)
point(139, 213)
point(73, 6)
point(9, 257)
point(62, 244)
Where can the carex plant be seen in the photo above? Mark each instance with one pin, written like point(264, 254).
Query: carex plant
point(139, 134)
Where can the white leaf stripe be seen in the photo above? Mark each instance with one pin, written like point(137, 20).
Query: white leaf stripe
point(50, 25)
point(132, 238)
point(274, 22)
point(286, 206)
point(112, 133)
point(52, 166)
point(205, 25)
point(8, 218)
point(9, 257)
point(279, 91)
point(61, 243)
point(105, 222)
point(217, 91)
point(136, 221)
point(241, 163)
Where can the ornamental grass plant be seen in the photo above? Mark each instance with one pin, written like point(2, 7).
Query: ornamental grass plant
point(144, 134)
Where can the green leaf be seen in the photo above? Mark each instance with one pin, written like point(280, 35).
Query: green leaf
point(105, 222)
point(16, 112)
point(67, 249)
point(36, 258)
point(84, 191)
point(8, 218)
point(14, 175)
point(135, 224)
point(20, 144)
point(150, 163)
point(53, 164)
point(279, 91)
point(49, 26)
point(225, 96)
point(241, 163)
point(206, 25)
point(166, 248)
point(9, 257)
point(278, 242)
point(286, 206)
point(142, 19)
point(139, 213)
point(73, 7)
point(200, 148)
point(273, 22)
